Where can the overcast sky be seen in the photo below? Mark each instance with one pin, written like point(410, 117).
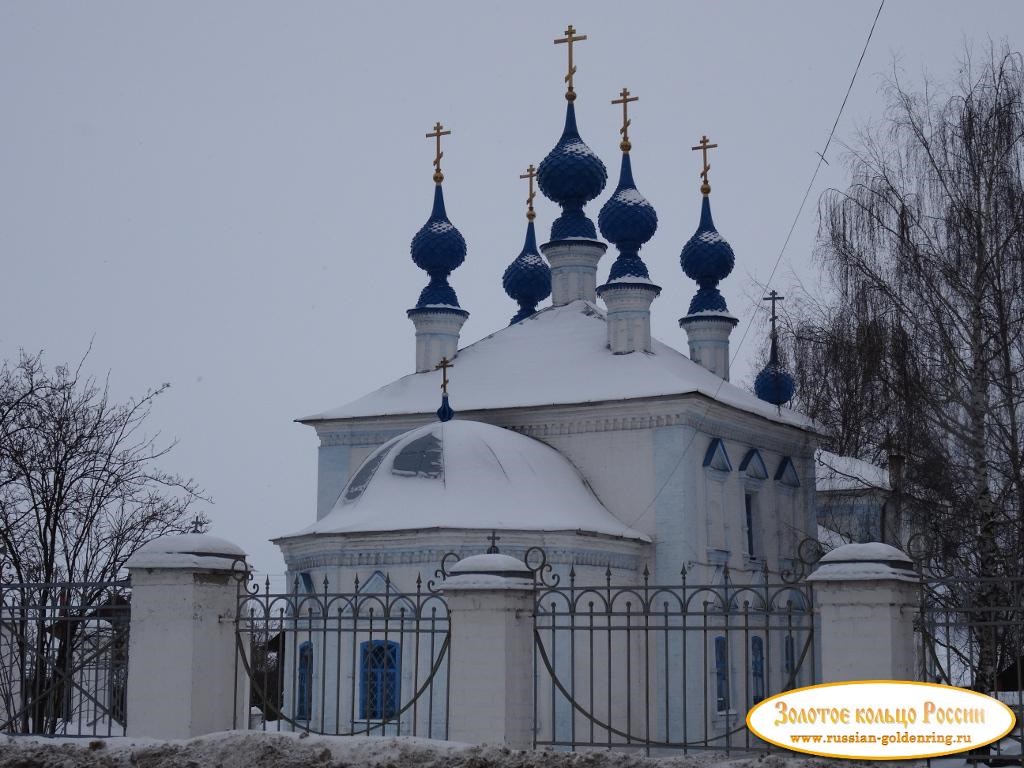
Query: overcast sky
point(221, 195)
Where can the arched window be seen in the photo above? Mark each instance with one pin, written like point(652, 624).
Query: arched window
point(304, 700)
point(757, 668)
point(721, 674)
point(379, 684)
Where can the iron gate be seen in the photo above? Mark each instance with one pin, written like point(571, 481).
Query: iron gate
point(64, 658)
point(370, 661)
point(666, 667)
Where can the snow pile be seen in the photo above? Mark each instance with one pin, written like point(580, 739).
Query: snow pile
point(246, 749)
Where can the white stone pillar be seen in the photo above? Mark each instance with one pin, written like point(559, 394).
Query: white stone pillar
point(490, 599)
point(867, 597)
point(708, 337)
point(181, 646)
point(629, 315)
point(573, 269)
point(437, 334)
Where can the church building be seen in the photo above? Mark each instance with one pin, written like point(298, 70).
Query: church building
point(573, 429)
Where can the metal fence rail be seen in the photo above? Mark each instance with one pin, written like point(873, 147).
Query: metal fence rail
point(666, 667)
point(64, 658)
point(972, 636)
point(369, 661)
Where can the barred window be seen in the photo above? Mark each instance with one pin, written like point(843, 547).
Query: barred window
point(757, 668)
point(304, 700)
point(379, 683)
point(721, 674)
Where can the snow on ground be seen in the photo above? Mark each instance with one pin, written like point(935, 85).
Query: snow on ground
point(255, 749)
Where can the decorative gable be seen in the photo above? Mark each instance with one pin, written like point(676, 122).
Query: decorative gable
point(786, 473)
point(716, 457)
point(753, 465)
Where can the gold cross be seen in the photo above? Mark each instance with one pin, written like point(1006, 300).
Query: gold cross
point(531, 174)
point(624, 145)
point(443, 366)
point(437, 133)
point(704, 146)
point(570, 38)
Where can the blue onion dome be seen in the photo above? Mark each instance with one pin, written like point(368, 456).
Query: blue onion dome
point(572, 175)
point(774, 384)
point(527, 280)
point(438, 248)
point(708, 259)
point(628, 221)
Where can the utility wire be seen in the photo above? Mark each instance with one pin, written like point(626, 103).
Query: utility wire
point(778, 259)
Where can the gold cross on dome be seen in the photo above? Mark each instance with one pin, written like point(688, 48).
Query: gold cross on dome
point(437, 133)
point(443, 366)
point(570, 38)
point(624, 145)
point(704, 145)
point(531, 174)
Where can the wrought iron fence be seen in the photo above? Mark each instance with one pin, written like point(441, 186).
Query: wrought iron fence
point(666, 667)
point(972, 635)
point(370, 661)
point(64, 658)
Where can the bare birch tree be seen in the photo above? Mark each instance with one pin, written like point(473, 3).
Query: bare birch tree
point(922, 351)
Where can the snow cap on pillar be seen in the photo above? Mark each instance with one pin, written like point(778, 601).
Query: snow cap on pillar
point(774, 384)
point(438, 249)
point(571, 175)
point(527, 280)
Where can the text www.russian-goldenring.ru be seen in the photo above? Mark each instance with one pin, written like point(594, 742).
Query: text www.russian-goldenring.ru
point(885, 739)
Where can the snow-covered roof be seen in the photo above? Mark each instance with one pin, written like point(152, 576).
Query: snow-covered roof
point(845, 473)
point(465, 474)
point(558, 356)
point(864, 562)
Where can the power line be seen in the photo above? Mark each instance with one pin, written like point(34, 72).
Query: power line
point(778, 259)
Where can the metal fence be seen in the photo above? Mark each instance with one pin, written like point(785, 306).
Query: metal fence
point(661, 668)
point(370, 661)
point(64, 658)
point(971, 633)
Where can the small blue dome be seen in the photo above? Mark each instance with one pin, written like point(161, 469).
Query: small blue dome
point(571, 175)
point(708, 259)
point(774, 384)
point(527, 280)
point(628, 220)
point(438, 248)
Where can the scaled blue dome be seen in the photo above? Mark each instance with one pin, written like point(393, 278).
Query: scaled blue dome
point(628, 220)
point(438, 248)
point(708, 259)
point(774, 384)
point(527, 280)
point(571, 175)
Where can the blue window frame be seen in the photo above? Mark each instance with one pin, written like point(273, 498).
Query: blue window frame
point(304, 699)
point(757, 668)
point(379, 682)
point(721, 674)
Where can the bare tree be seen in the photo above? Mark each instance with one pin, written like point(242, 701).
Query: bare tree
point(79, 494)
point(922, 351)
